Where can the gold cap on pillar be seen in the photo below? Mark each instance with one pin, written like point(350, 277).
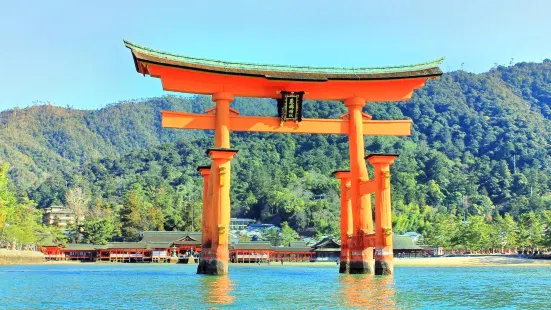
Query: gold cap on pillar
point(342, 174)
point(381, 158)
point(204, 170)
point(221, 152)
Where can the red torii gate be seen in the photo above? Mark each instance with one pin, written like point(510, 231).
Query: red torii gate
point(354, 86)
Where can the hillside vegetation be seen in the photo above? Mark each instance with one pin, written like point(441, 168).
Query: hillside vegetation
point(480, 149)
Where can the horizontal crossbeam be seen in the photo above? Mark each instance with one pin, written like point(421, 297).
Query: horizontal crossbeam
point(183, 120)
point(368, 187)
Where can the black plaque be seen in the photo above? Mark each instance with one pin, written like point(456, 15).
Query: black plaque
point(290, 106)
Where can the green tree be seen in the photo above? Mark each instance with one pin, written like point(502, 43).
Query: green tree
point(273, 236)
point(546, 219)
point(508, 231)
point(138, 214)
point(98, 231)
point(480, 205)
point(531, 230)
point(434, 195)
point(78, 202)
point(441, 231)
point(473, 234)
point(18, 221)
point(287, 234)
point(7, 199)
point(23, 223)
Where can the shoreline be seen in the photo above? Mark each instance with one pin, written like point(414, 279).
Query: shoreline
point(472, 261)
point(448, 261)
point(15, 257)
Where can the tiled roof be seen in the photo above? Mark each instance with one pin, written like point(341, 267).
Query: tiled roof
point(127, 245)
point(404, 243)
point(169, 236)
point(298, 244)
point(158, 245)
point(260, 245)
point(82, 247)
point(163, 239)
point(327, 242)
point(148, 55)
point(291, 249)
point(185, 242)
point(252, 246)
point(399, 243)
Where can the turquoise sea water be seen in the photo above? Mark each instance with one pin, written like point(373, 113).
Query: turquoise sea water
point(110, 286)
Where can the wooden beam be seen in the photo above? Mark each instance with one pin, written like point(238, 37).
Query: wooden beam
point(183, 120)
point(368, 187)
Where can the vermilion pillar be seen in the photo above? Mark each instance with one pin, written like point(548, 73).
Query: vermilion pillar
point(222, 127)
point(221, 159)
point(346, 220)
point(214, 258)
point(383, 213)
point(206, 221)
point(361, 254)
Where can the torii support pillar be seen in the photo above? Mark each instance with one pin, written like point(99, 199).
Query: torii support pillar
point(384, 264)
point(346, 220)
point(214, 260)
point(207, 217)
point(361, 253)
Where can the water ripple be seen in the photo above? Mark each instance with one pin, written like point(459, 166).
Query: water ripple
point(270, 287)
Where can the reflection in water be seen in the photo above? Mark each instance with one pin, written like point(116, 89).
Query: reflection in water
point(367, 291)
point(216, 290)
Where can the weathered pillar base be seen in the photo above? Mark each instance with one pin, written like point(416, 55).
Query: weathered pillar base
point(362, 267)
point(344, 267)
point(384, 265)
point(346, 220)
point(212, 266)
point(361, 259)
point(344, 258)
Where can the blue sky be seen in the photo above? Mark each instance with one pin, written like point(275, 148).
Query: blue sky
point(71, 52)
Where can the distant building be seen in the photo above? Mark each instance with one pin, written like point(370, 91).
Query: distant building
point(261, 227)
point(413, 235)
point(307, 232)
point(405, 246)
point(433, 251)
point(160, 246)
point(240, 223)
point(328, 249)
point(296, 251)
point(58, 215)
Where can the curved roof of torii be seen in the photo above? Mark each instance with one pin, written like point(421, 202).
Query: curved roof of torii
point(275, 77)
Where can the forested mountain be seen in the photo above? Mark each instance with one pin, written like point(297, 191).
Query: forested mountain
point(480, 147)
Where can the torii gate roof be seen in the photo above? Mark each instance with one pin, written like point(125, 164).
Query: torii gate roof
point(205, 76)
